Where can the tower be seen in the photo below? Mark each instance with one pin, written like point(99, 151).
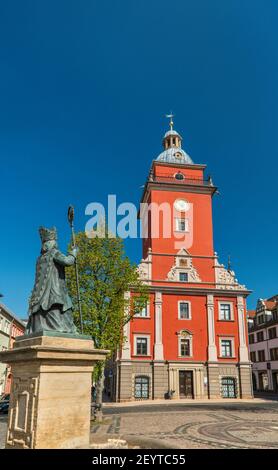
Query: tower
point(191, 339)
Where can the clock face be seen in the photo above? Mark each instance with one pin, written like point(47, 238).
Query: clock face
point(181, 205)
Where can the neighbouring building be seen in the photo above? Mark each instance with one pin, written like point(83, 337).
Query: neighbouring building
point(191, 339)
point(263, 344)
point(10, 328)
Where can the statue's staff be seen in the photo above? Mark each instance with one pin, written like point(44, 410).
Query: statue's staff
point(70, 219)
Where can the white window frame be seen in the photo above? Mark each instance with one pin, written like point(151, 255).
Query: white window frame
point(136, 336)
point(186, 227)
point(189, 309)
point(138, 315)
point(190, 338)
point(227, 338)
point(221, 302)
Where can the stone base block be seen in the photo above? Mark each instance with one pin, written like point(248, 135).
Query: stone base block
point(51, 391)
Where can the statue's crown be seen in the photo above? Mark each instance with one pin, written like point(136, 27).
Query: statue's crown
point(47, 234)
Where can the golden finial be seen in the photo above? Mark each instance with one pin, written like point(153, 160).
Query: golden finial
point(171, 123)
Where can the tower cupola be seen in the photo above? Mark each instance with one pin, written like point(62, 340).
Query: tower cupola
point(173, 153)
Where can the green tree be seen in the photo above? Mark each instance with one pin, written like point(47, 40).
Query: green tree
point(105, 274)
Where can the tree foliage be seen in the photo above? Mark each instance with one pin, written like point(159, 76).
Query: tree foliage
point(105, 275)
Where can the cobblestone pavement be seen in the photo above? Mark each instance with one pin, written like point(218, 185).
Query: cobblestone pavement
point(191, 427)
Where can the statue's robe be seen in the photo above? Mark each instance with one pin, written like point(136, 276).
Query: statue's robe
point(50, 306)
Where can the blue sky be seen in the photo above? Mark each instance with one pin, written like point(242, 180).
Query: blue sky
point(84, 88)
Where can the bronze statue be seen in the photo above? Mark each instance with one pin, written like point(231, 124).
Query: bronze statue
point(50, 306)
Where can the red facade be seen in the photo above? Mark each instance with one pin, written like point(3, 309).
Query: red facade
point(194, 328)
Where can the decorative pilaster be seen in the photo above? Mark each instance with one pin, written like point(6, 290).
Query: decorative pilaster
point(243, 350)
point(212, 351)
point(158, 346)
point(126, 354)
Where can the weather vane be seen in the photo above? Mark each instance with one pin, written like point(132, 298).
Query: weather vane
point(229, 263)
point(171, 123)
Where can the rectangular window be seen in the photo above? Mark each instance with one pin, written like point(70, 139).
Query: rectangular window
point(261, 356)
point(225, 312)
point(272, 333)
point(260, 319)
point(181, 225)
point(274, 354)
point(183, 277)
point(226, 348)
point(260, 336)
point(184, 347)
point(253, 356)
point(141, 346)
point(143, 313)
point(251, 339)
point(184, 313)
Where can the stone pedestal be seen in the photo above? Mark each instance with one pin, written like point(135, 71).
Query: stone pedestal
point(51, 391)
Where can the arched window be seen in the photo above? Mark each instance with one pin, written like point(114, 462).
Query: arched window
point(142, 387)
point(228, 387)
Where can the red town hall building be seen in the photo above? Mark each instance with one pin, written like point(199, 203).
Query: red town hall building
point(191, 339)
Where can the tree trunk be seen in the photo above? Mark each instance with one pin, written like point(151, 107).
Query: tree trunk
point(99, 392)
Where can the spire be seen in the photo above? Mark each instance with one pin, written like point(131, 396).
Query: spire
point(171, 139)
point(171, 123)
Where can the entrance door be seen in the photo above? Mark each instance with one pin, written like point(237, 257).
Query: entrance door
point(186, 383)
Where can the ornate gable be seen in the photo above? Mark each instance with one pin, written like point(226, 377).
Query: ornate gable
point(224, 278)
point(145, 268)
point(183, 264)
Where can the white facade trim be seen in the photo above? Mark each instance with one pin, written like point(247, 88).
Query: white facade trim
point(227, 338)
point(226, 302)
point(143, 335)
point(189, 309)
point(185, 334)
point(243, 348)
point(212, 350)
point(158, 345)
